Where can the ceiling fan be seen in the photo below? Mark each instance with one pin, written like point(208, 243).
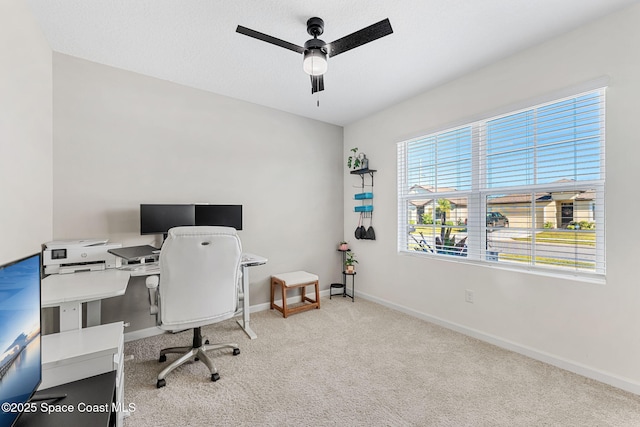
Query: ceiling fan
point(316, 51)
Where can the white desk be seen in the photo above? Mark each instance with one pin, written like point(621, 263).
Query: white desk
point(248, 260)
point(69, 291)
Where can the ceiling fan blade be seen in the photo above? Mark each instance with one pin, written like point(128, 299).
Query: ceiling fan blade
point(363, 36)
point(269, 39)
point(317, 83)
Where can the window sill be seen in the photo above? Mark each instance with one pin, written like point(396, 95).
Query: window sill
point(598, 279)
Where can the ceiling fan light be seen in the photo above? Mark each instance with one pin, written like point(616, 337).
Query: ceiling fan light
point(315, 62)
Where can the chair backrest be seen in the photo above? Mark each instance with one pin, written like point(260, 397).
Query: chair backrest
point(199, 273)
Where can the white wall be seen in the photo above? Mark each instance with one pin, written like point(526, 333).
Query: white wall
point(121, 139)
point(25, 133)
point(589, 328)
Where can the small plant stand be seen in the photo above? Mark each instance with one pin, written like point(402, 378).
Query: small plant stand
point(345, 275)
point(342, 287)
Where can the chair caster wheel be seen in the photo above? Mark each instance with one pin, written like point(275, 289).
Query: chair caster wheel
point(215, 377)
point(161, 383)
point(162, 358)
point(236, 351)
point(207, 342)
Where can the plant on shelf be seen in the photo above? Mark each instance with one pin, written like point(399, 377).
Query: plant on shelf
point(353, 162)
point(357, 161)
point(343, 246)
point(350, 262)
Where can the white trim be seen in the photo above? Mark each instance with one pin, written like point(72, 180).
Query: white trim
point(154, 330)
point(592, 278)
point(562, 363)
point(568, 365)
point(142, 333)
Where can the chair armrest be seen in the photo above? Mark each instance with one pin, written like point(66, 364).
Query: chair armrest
point(152, 284)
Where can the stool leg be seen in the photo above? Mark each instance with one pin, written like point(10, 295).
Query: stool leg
point(318, 294)
point(303, 292)
point(284, 300)
point(273, 284)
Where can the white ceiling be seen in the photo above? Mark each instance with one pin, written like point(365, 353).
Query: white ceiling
point(194, 43)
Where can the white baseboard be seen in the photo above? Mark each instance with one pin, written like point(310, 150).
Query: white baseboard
point(153, 331)
point(142, 333)
point(568, 365)
point(290, 300)
point(577, 368)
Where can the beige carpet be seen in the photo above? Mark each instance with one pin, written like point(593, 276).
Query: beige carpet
point(362, 364)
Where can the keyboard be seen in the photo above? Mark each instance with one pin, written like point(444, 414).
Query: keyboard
point(251, 259)
point(145, 269)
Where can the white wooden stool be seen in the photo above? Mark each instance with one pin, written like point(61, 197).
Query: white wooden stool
point(295, 279)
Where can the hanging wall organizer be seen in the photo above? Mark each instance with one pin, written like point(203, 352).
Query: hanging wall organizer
point(365, 208)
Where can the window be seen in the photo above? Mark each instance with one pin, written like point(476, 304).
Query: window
point(525, 189)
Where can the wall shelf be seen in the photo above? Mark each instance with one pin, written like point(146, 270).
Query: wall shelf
point(362, 173)
point(365, 208)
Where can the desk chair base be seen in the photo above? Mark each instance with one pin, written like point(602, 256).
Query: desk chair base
point(195, 352)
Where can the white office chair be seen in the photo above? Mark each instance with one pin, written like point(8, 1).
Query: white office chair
point(199, 273)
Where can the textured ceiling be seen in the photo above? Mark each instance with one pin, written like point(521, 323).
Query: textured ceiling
point(194, 43)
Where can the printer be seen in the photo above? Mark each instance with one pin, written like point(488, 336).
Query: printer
point(70, 256)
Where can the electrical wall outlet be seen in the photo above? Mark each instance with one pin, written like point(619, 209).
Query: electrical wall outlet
point(468, 296)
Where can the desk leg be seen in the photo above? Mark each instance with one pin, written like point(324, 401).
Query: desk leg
point(93, 313)
point(70, 316)
point(244, 323)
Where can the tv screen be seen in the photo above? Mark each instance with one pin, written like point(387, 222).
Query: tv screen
point(158, 219)
point(220, 215)
point(20, 354)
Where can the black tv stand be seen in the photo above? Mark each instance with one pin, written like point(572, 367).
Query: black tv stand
point(99, 390)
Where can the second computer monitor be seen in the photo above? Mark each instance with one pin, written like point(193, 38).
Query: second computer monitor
point(220, 215)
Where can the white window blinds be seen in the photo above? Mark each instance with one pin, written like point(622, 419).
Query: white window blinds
point(525, 188)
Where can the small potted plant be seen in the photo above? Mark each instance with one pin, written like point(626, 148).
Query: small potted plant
point(357, 161)
point(343, 246)
point(350, 261)
point(353, 162)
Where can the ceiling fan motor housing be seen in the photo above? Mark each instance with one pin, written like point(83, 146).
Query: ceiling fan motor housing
point(315, 26)
point(315, 44)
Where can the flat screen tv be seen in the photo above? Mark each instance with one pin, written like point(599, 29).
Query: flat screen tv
point(158, 219)
point(220, 215)
point(20, 352)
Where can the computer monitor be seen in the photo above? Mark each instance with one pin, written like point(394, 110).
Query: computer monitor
point(158, 219)
point(20, 352)
point(220, 215)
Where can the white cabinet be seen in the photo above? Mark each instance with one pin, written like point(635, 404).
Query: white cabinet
point(82, 353)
